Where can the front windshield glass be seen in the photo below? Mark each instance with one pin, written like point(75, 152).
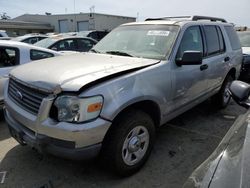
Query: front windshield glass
point(146, 41)
point(244, 38)
point(45, 43)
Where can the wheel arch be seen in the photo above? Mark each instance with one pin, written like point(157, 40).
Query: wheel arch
point(147, 106)
point(232, 72)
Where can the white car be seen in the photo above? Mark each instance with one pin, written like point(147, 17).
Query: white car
point(13, 53)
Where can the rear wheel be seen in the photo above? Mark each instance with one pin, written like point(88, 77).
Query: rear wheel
point(129, 142)
point(222, 98)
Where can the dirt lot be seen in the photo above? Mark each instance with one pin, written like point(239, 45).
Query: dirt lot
point(181, 146)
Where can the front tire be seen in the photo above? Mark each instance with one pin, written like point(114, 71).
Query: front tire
point(129, 142)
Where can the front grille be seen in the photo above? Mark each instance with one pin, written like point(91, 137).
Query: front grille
point(26, 97)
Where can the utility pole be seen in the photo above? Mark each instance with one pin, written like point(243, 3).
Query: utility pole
point(75, 16)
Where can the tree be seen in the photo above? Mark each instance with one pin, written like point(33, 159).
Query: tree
point(4, 16)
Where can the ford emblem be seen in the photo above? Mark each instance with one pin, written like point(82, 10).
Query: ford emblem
point(19, 95)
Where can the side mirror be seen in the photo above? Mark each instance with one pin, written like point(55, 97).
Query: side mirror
point(240, 92)
point(190, 58)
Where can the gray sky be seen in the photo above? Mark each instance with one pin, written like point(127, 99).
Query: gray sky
point(236, 11)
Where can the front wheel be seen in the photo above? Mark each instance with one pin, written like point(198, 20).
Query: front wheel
point(129, 142)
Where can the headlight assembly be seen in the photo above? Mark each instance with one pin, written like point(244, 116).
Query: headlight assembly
point(76, 109)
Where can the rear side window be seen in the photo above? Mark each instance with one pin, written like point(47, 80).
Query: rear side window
point(65, 45)
point(9, 56)
point(37, 54)
point(32, 40)
point(234, 40)
point(212, 40)
point(85, 45)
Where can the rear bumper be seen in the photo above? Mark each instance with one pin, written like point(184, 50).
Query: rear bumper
point(46, 144)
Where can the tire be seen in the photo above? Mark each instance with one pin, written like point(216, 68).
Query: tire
point(222, 98)
point(129, 142)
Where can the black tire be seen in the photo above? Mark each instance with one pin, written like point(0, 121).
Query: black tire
point(113, 152)
point(222, 98)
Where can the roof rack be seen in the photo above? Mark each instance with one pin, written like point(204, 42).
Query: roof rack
point(193, 18)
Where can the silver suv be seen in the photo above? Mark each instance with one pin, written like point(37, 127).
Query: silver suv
point(110, 101)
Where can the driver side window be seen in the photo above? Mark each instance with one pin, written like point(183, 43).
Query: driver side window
point(191, 41)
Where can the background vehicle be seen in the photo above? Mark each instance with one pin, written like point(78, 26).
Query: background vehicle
point(67, 43)
point(111, 101)
point(97, 35)
point(30, 38)
point(4, 35)
point(244, 37)
point(14, 53)
point(228, 165)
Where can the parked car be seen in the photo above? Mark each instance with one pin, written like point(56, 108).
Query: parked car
point(111, 101)
point(244, 37)
point(228, 166)
point(14, 53)
point(67, 43)
point(4, 35)
point(30, 38)
point(97, 35)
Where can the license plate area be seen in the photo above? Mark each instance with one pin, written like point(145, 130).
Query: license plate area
point(17, 135)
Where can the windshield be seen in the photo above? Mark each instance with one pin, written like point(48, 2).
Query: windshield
point(45, 43)
point(146, 41)
point(244, 38)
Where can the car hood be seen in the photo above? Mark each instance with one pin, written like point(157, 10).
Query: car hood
point(246, 50)
point(70, 73)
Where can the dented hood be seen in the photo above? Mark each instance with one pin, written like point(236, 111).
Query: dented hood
point(72, 72)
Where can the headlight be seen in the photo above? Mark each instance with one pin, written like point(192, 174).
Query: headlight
point(76, 109)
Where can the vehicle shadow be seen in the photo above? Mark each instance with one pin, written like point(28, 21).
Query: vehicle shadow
point(179, 149)
point(4, 132)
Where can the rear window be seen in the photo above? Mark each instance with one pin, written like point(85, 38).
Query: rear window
point(234, 40)
point(37, 54)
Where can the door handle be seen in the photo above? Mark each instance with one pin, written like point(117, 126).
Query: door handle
point(226, 59)
point(203, 67)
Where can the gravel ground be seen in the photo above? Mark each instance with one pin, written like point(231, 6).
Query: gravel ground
point(181, 145)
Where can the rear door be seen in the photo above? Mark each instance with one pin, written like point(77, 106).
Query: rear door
point(216, 56)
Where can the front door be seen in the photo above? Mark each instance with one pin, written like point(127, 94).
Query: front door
point(189, 81)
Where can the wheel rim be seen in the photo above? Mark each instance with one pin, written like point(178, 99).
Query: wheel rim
point(226, 95)
point(135, 145)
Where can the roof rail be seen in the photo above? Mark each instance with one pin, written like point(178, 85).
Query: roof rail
point(193, 18)
point(212, 19)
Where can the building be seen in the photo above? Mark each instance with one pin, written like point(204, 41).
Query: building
point(16, 28)
point(77, 22)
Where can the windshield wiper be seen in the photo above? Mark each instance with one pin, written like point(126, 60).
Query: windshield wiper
point(119, 53)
